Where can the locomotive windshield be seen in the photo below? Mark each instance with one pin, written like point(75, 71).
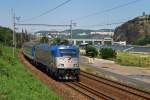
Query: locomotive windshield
point(68, 52)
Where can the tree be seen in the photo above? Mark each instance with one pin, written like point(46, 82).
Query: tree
point(91, 51)
point(6, 35)
point(1, 51)
point(65, 42)
point(27, 38)
point(143, 40)
point(18, 39)
point(44, 39)
point(107, 53)
point(58, 41)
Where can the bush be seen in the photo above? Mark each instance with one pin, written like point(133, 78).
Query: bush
point(9, 59)
point(91, 51)
point(58, 41)
point(1, 52)
point(143, 41)
point(107, 53)
point(44, 39)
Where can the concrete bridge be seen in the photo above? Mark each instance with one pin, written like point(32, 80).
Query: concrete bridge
point(92, 41)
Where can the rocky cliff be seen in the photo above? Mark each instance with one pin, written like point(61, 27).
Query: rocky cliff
point(133, 30)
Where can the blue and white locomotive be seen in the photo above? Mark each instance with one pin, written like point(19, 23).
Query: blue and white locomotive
point(61, 61)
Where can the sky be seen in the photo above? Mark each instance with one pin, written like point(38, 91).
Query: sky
point(76, 10)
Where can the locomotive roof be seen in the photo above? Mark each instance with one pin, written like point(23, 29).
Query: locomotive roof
point(54, 47)
point(64, 46)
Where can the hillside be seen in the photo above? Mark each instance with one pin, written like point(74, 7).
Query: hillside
point(135, 31)
point(17, 83)
point(5, 35)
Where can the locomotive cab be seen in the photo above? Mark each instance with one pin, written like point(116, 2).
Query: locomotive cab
point(67, 62)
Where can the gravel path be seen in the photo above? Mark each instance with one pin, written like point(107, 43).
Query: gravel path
point(142, 74)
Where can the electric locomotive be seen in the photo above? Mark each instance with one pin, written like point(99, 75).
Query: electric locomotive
point(61, 61)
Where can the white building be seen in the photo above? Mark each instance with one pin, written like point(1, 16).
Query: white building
point(58, 33)
point(120, 43)
point(103, 33)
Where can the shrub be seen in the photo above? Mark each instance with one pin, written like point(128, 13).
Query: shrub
point(58, 41)
point(9, 59)
point(143, 40)
point(91, 51)
point(1, 52)
point(44, 39)
point(107, 53)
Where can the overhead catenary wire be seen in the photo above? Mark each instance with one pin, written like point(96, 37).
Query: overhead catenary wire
point(119, 22)
point(107, 10)
point(114, 23)
point(46, 12)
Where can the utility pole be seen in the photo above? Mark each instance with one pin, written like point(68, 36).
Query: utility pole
point(14, 35)
point(48, 25)
point(71, 30)
point(71, 25)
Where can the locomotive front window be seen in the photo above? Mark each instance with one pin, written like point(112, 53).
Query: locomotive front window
point(68, 52)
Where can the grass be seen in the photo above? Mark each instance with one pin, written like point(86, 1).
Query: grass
point(130, 59)
point(17, 83)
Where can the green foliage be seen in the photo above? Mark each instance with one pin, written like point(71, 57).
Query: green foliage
point(6, 35)
point(9, 59)
point(130, 59)
point(58, 41)
point(44, 39)
point(134, 31)
point(107, 53)
point(16, 82)
point(143, 41)
point(91, 51)
point(65, 42)
point(1, 52)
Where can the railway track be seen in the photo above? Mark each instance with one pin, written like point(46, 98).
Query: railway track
point(113, 89)
point(97, 88)
point(87, 91)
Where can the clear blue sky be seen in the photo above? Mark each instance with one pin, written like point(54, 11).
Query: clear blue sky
point(72, 10)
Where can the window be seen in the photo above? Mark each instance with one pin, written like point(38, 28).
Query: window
point(68, 52)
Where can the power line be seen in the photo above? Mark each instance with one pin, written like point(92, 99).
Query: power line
point(46, 12)
point(114, 23)
point(120, 22)
point(43, 25)
point(110, 24)
point(107, 10)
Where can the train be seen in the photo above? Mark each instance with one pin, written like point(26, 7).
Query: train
point(60, 61)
